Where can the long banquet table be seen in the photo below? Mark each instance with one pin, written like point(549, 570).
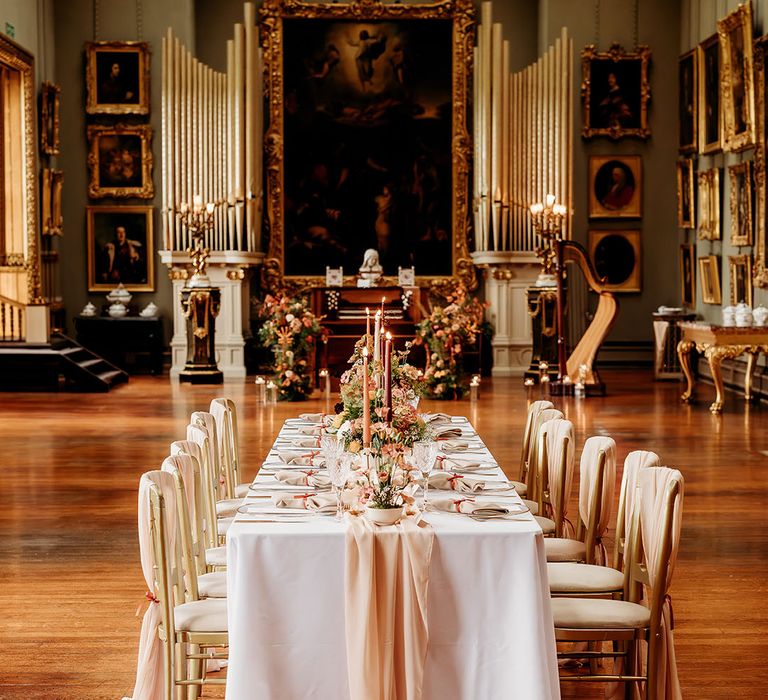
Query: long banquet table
point(489, 618)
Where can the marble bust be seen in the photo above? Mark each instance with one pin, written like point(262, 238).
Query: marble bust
point(371, 270)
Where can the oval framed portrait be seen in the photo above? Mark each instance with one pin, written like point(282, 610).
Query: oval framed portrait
point(615, 187)
point(616, 257)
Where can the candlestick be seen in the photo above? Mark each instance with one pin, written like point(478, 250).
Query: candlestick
point(383, 299)
point(271, 392)
point(325, 382)
point(366, 402)
point(367, 325)
point(388, 377)
point(261, 390)
point(474, 391)
point(376, 337)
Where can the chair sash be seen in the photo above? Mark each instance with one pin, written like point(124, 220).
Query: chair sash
point(200, 436)
point(654, 484)
point(150, 669)
point(542, 417)
point(588, 482)
point(559, 439)
point(183, 462)
point(633, 464)
point(207, 421)
point(222, 415)
point(529, 437)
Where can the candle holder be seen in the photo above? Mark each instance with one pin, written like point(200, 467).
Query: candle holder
point(271, 393)
point(474, 389)
point(325, 383)
point(261, 389)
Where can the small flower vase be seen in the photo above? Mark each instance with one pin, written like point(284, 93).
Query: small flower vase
point(384, 516)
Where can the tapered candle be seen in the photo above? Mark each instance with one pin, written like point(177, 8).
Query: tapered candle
point(388, 377)
point(383, 299)
point(367, 326)
point(366, 402)
point(376, 337)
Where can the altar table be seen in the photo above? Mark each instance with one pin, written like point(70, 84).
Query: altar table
point(490, 624)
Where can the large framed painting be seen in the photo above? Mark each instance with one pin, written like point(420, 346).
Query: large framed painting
point(120, 161)
point(616, 257)
point(709, 205)
point(117, 77)
point(709, 274)
point(367, 145)
point(685, 194)
point(50, 102)
point(709, 95)
point(740, 279)
point(687, 102)
point(760, 268)
point(615, 92)
point(688, 275)
point(615, 187)
point(120, 248)
point(737, 93)
point(740, 177)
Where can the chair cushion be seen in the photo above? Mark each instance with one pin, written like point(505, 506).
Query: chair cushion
point(533, 505)
point(520, 487)
point(241, 490)
point(222, 525)
point(546, 524)
point(213, 585)
point(567, 577)
point(209, 615)
point(217, 556)
point(228, 506)
point(561, 549)
point(598, 613)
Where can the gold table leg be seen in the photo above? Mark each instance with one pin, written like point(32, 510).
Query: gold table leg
point(751, 357)
point(716, 355)
point(684, 348)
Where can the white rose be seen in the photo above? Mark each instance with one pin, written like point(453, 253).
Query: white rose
point(288, 373)
point(289, 317)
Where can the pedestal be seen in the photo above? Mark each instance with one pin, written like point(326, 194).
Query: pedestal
point(230, 272)
point(200, 306)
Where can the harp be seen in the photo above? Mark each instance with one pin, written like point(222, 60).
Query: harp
point(585, 351)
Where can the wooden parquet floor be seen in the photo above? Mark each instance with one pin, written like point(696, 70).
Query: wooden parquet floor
point(70, 579)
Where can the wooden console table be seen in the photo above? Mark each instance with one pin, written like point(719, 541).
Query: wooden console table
point(718, 343)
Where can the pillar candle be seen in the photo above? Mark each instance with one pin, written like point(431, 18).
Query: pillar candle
point(366, 402)
point(388, 377)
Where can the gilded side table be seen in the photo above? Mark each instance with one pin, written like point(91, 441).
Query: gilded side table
point(718, 343)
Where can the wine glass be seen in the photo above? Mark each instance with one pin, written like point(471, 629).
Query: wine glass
point(339, 469)
point(424, 453)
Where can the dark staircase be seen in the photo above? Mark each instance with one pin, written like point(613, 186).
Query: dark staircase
point(60, 364)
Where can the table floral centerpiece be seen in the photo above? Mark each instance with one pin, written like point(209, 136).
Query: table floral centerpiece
point(291, 330)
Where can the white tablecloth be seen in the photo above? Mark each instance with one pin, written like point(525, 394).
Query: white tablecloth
point(490, 623)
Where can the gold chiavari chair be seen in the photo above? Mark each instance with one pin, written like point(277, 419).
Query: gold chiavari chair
point(224, 412)
point(596, 488)
point(186, 626)
point(539, 419)
point(529, 438)
point(653, 541)
point(554, 464)
point(586, 580)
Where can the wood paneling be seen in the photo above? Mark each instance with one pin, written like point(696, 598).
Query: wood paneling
point(69, 562)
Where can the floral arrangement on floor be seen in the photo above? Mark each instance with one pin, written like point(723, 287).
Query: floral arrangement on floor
point(445, 333)
point(291, 330)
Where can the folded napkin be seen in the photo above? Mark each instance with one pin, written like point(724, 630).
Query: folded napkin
point(455, 482)
point(304, 477)
point(316, 417)
point(453, 463)
point(304, 442)
point(321, 502)
point(304, 459)
point(309, 429)
point(465, 505)
point(453, 445)
point(438, 418)
point(443, 433)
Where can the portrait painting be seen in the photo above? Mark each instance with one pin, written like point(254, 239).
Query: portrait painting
point(120, 161)
point(709, 274)
point(50, 102)
point(51, 220)
point(120, 248)
point(740, 177)
point(615, 187)
point(616, 257)
point(740, 279)
point(368, 124)
point(709, 95)
point(688, 275)
point(615, 92)
point(117, 77)
point(736, 86)
point(687, 102)
point(685, 194)
point(708, 205)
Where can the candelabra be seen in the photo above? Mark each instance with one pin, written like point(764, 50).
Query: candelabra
point(200, 302)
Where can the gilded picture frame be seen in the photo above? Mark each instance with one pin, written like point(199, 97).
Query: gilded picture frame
point(740, 177)
point(117, 77)
point(740, 279)
point(617, 258)
point(120, 161)
point(709, 108)
point(688, 71)
point(708, 221)
point(688, 275)
point(737, 94)
point(292, 33)
point(50, 128)
point(615, 92)
point(615, 187)
point(686, 202)
point(120, 257)
point(52, 222)
point(709, 276)
point(760, 267)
